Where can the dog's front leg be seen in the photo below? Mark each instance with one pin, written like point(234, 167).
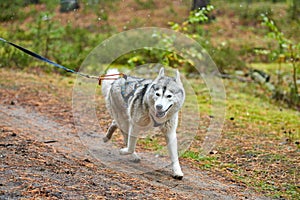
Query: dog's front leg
point(170, 130)
point(131, 143)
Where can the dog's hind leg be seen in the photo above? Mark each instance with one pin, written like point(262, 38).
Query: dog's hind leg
point(125, 137)
point(110, 131)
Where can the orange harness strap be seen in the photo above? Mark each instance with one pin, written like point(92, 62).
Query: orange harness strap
point(110, 77)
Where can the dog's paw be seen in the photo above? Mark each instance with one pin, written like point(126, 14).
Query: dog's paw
point(136, 158)
point(125, 151)
point(105, 139)
point(178, 175)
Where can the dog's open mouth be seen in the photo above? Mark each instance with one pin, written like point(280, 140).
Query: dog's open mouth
point(160, 114)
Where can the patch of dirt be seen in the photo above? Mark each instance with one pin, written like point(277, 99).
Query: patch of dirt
point(33, 169)
point(120, 15)
point(43, 157)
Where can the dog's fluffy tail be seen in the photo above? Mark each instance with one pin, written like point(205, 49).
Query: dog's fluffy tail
point(106, 84)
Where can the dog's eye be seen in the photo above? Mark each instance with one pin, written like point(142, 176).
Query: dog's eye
point(157, 94)
point(169, 96)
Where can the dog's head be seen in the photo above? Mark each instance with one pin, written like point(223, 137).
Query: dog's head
point(166, 95)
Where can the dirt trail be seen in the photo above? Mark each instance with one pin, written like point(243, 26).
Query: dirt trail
point(78, 166)
point(42, 156)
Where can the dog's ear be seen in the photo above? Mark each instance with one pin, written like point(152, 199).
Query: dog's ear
point(161, 74)
point(177, 77)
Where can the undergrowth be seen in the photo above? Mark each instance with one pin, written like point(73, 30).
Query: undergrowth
point(259, 144)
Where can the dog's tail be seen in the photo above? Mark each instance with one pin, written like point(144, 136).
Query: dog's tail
point(106, 84)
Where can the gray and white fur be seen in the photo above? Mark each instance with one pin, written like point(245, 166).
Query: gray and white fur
point(138, 104)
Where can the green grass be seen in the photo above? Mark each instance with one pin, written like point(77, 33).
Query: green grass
point(152, 143)
point(203, 162)
point(260, 140)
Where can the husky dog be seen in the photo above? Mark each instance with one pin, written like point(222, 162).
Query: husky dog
point(138, 104)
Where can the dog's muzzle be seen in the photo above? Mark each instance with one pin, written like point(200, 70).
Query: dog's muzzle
point(160, 113)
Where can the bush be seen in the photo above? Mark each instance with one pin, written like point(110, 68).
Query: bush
point(10, 10)
point(223, 55)
point(287, 51)
point(77, 43)
point(226, 58)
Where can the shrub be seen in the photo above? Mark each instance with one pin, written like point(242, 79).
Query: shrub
point(286, 51)
point(11, 10)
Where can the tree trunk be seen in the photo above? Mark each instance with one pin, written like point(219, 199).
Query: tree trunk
point(198, 4)
point(68, 5)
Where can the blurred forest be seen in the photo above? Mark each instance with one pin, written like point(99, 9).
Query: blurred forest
point(254, 43)
point(237, 35)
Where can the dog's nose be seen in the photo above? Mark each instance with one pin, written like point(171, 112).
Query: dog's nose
point(159, 107)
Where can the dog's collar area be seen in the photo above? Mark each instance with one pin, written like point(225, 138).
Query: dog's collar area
point(156, 124)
